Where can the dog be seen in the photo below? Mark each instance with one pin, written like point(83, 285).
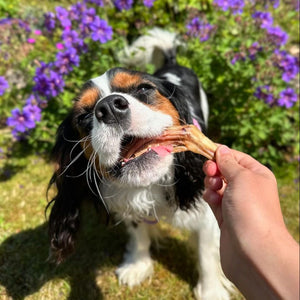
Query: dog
point(107, 149)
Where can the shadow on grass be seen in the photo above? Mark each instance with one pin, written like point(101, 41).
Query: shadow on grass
point(24, 268)
point(16, 159)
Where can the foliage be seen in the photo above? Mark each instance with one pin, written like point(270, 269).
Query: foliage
point(236, 48)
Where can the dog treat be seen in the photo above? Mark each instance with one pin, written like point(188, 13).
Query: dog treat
point(189, 138)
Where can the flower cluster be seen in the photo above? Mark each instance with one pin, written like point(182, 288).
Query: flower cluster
point(48, 82)
point(275, 35)
point(200, 29)
point(264, 93)
point(49, 77)
point(123, 4)
point(263, 19)
point(286, 97)
point(75, 28)
point(3, 85)
point(148, 3)
point(236, 6)
point(287, 63)
point(24, 120)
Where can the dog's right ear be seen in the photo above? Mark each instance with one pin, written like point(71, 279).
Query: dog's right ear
point(72, 187)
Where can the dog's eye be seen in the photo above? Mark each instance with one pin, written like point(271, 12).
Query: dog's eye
point(85, 121)
point(144, 88)
point(144, 93)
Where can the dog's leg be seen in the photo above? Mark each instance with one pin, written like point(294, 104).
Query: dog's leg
point(212, 284)
point(137, 264)
point(205, 236)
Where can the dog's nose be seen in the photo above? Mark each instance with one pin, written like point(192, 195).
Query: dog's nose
point(112, 109)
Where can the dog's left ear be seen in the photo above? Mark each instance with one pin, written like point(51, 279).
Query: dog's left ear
point(71, 183)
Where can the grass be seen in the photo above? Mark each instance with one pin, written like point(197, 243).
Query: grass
point(25, 272)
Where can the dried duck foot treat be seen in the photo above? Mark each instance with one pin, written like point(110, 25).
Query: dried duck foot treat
point(188, 138)
point(174, 139)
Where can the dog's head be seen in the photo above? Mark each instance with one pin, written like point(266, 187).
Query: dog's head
point(111, 135)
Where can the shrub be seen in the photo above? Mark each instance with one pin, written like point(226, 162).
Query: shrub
point(236, 48)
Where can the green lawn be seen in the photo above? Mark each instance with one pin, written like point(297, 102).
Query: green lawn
point(89, 273)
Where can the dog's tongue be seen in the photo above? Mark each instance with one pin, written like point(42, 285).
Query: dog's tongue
point(163, 150)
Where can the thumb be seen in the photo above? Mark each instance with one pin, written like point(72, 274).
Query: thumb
point(226, 162)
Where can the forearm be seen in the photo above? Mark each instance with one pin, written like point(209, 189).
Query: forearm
point(270, 269)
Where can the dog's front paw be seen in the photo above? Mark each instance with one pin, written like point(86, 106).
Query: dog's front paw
point(133, 273)
point(216, 292)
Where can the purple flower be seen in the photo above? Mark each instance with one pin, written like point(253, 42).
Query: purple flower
point(24, 25)
point(33, 112)
point(287, 98)
point(200, 29)
point(5, 21)
point(70, 38)
point(254, 49)
point(287, 63)
point(89, 16)
point(101, 31)
point(263, 93)
point(264, 19)
point(49, 21)
point(277, 36)
point(237, 56)
point(66, 60)
point(76, 11)
point(44, 68)
point(236, 6)
point(35, 100)
point(275, 3)
point(48, 83)
point(21, 121)
point(37, 32)
point(97, 2)
point(148, 3)
point(123, 4)
point(63, 16)
point(3, 85)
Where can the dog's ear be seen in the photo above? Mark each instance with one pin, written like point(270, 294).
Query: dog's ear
point(72, 187)
point(189, 176)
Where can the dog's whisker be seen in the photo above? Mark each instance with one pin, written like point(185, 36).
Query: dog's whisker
point(72, 162)
point(100, 195)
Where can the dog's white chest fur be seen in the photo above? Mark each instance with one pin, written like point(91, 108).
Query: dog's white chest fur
point(140, 203)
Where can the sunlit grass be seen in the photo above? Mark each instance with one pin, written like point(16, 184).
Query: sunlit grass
point(89, 273)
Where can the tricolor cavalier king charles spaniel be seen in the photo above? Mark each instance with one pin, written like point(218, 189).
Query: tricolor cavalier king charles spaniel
point(106, 149)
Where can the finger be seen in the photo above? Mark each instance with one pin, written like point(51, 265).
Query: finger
point(214, 183)
point(212, 197)
point(247, 161)
point(210, 168)
point(227, 163)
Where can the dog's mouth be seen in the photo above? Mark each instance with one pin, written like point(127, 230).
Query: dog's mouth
point(134, 147)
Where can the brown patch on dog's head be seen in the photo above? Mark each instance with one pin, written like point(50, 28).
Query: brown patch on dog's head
point(125, 80)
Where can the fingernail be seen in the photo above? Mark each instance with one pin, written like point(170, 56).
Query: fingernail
point(224, 149)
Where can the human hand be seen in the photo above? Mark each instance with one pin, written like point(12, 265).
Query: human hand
point(243, 196)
